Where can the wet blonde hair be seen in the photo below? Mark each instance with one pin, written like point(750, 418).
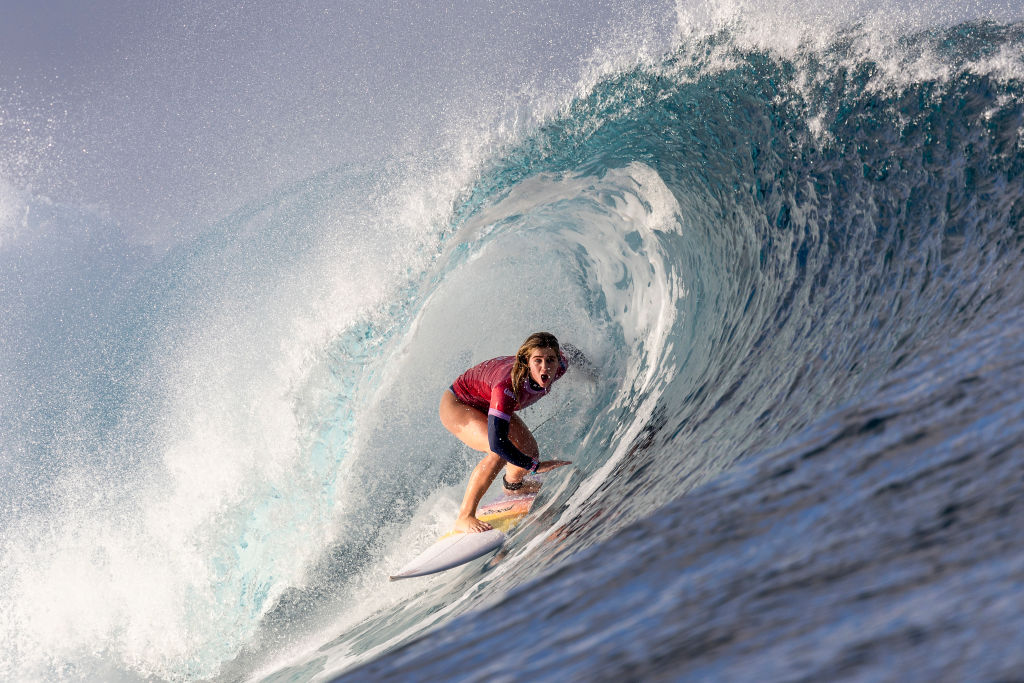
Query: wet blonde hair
point(537, 340)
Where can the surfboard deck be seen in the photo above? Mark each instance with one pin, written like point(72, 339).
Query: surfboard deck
point(455, 549)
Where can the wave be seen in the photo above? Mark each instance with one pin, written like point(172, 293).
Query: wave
point(757, 239)
point(743, 237)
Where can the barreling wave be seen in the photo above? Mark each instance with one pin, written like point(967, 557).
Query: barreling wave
point(742, 238)
point(745, 239)
point(752, 239)
point(813, 222)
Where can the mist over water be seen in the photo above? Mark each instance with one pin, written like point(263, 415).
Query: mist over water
point(218, 426)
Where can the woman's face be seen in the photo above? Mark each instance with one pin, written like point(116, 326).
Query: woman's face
point(543, 365)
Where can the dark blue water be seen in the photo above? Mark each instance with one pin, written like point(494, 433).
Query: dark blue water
point(800, 272)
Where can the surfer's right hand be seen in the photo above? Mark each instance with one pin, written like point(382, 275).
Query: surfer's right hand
point(548, 465)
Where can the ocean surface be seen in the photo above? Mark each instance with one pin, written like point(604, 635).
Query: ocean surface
point(795, 252)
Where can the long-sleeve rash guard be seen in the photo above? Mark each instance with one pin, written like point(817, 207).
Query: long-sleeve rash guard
point(488, 386)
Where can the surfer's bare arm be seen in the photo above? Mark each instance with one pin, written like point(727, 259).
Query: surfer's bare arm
point(579, 360)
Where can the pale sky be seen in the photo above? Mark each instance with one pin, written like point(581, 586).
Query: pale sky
point(166, 114)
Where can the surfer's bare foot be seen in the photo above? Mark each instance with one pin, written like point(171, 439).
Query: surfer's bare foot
point(471, 525)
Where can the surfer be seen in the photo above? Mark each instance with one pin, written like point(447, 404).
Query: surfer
point(479, 408)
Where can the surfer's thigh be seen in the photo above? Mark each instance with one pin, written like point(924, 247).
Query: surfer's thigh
point(467, 423)
point(522, 437)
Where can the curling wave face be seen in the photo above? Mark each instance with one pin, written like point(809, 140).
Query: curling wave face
point(796, 230)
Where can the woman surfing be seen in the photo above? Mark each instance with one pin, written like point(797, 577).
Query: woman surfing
point(479, 408)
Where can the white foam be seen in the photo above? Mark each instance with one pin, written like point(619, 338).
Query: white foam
point(168, 568)
point(871, 32)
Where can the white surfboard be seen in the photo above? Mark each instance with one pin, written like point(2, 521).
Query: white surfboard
point(454, 549)
point(451, 551)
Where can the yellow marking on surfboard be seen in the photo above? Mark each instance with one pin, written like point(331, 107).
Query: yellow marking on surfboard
point(504, 517)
